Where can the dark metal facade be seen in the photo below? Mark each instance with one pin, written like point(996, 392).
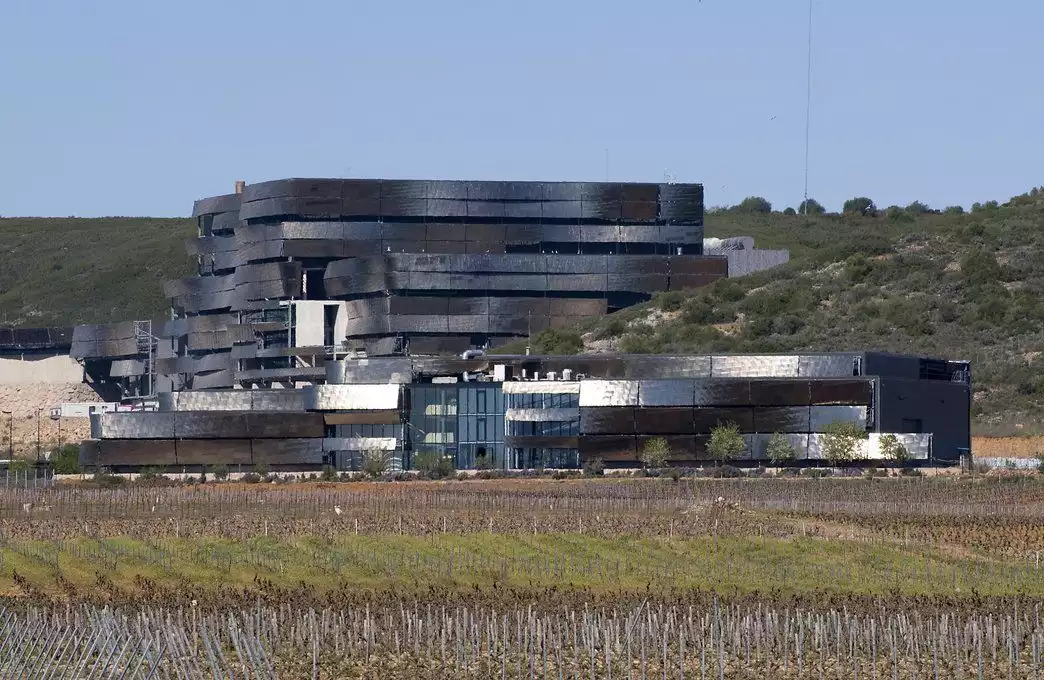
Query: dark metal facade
point(421, 267)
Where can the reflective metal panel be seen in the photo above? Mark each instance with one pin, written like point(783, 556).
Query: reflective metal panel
point(213, 452)
point(821, 416)
point(360, 444)
point(665, 420)
point(287, 451)
point(542, 387)
point(828, 365)
point(352, 397)
point(124, 425)
point(851, 392)
point(754, 366)
point(607, 420)
point(609, 393)
point(707, 418)
point(781, 419)
point(542, 415)
point(666, 393)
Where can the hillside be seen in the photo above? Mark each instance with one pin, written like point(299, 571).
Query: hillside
point(963, 286)
point(64, 271)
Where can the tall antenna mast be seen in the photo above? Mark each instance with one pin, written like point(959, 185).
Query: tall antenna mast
point(808, 101)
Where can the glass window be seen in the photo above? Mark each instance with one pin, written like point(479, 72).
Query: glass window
point(480, 428)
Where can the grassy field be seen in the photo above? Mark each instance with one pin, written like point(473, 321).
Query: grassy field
point(593, 578)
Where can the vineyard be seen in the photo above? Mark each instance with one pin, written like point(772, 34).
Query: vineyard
point(625, 578)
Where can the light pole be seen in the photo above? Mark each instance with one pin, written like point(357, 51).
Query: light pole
point(37, 435)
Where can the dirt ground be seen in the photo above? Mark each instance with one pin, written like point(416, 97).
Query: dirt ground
point(1007, 447)
point(25, 401)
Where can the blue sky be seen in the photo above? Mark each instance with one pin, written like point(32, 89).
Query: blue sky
point(137, 108)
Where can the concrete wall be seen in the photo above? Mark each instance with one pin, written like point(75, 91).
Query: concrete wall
point(34, 369)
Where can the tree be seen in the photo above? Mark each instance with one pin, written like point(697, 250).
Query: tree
point(790, 212)
point(726, 442)
point(893, 449)
point(219, 471)
point(954, 210)
point(811, 206)
point(376, 462)
point(67, 460)
point(917, 208)
point(840, 441)
point(860, 205)
point(779, 449)
point(753, 204)
point(654, 453)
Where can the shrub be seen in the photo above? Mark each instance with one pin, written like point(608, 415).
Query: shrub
point(953, 210)
point(433, 465)
point(262, 470)
point(811, 207)
point(725, 471)
point(654, 453)
point(219, 472)
point(840, 441)
point(917, 208)
point(893, 449)
point(483, 462)
point(789, 212)
point(594, 468)
point(376, 462)
point(251, 478)
point(860, 205)
point(557, 341)
point(753, 204)
point(329, 473)
point(726, 442)
point(67, 460)
point(980, 268)
point(102, 477)
point(779, 449)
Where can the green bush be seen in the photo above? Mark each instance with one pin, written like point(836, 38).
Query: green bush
point(433, 465)
point(811, 207)
point(840, 441)
point(726, 442)
point(557, 341)
point(594, 468)
point(654, 454)
point(753, 204)
point(893, 449)
point(860, 205)
point(376, 463)
point(219, 472)
point(779, 449)
point(67, 460)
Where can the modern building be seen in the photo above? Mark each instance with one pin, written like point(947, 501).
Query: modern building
point(549, 411)
point(333, 318)
point(291, 272)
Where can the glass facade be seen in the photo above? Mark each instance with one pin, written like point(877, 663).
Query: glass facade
point(461, 421)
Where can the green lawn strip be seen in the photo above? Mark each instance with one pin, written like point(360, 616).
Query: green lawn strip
point(530, 561)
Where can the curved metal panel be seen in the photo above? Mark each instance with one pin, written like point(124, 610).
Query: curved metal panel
point(352, 397)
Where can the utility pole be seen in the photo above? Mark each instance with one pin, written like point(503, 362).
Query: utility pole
point(37, 435)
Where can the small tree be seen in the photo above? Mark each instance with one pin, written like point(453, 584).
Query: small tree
point(483, 461)
point(840, 440)
point(654, 453)
point(779, 449)
point(67, 460)
point(893, 449)
point(754, 204)
point(376, 462)
point(811, 207)
point(726, 442)
point(219, 472)
point(860, 205)
point(918, 208)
